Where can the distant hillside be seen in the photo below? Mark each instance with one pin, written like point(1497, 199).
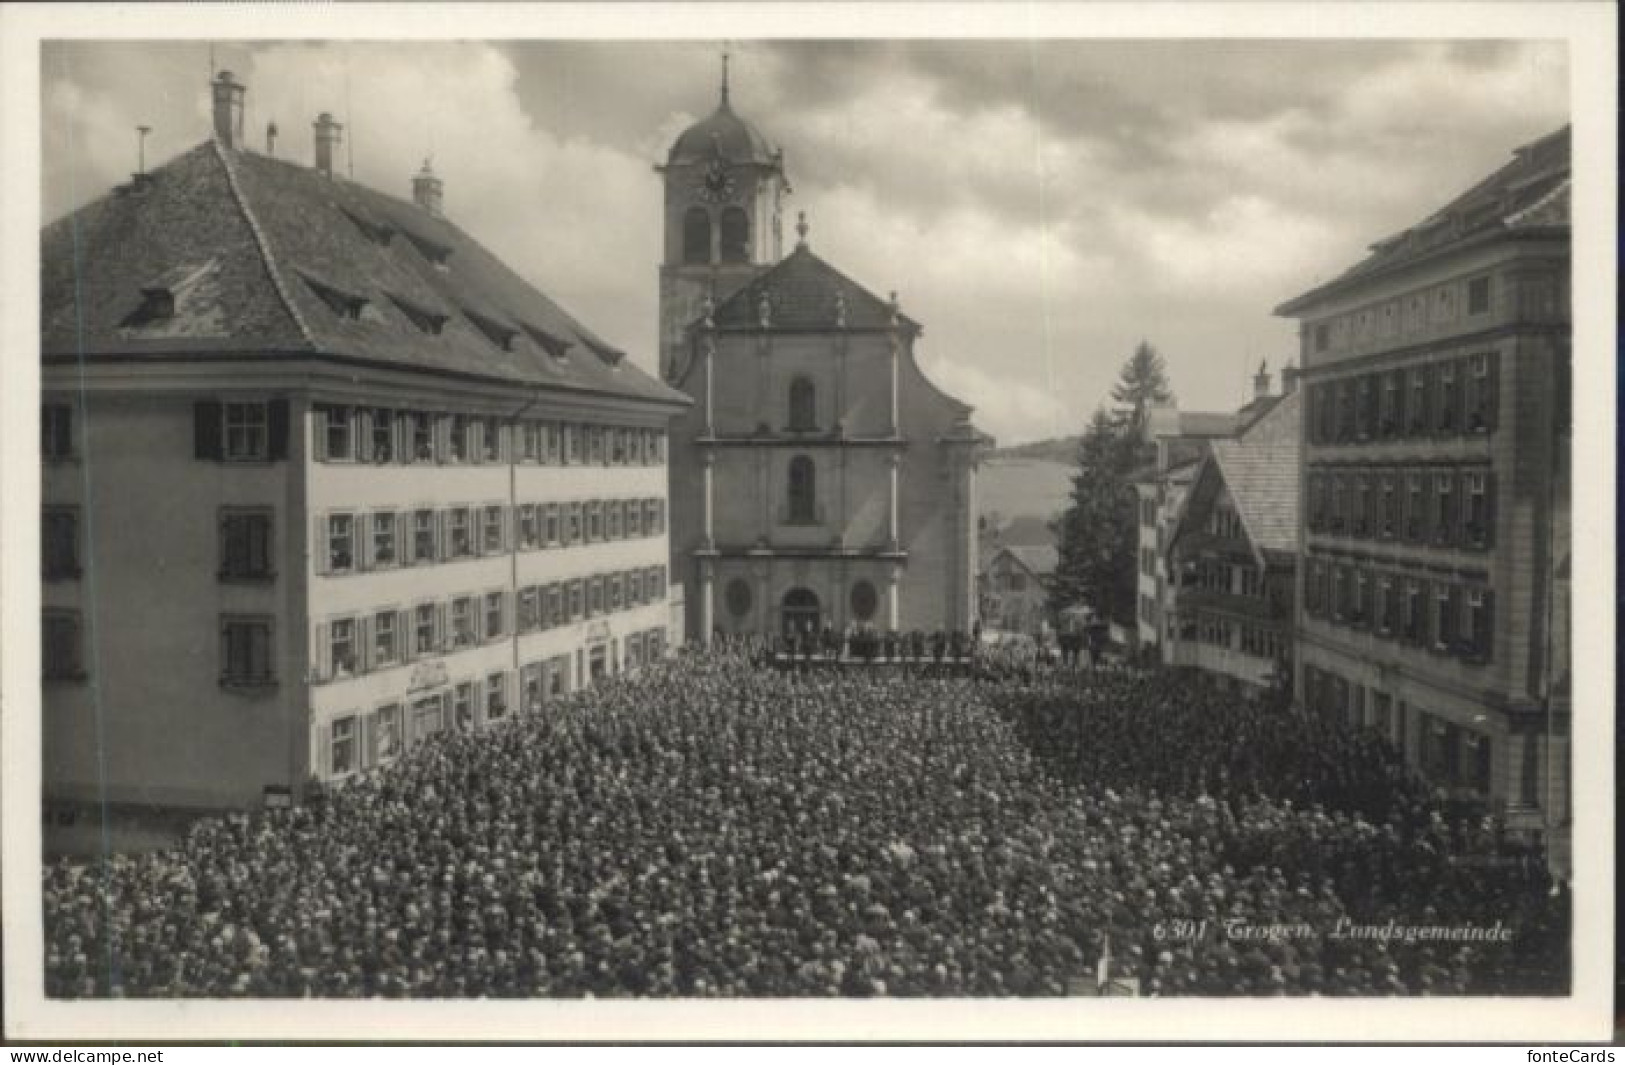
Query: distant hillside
point(1062, 449)
point(1013, 486)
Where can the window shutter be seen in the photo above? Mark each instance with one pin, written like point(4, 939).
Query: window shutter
point(405, 547)
point(362, 530)
point(361, 426)
point(324, 653)
point(443, 520)
point(442, 626)
point(318, 545)
point(206, 429)
point(318, 425)
point(406, 636)
point(277, 431)
point(324, 750)
point(369, 740)
point(363, 640)
point(1492, 402)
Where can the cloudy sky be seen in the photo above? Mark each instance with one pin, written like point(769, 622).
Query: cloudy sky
point(1040, 206)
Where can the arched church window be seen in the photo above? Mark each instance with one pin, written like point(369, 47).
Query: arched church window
point(735, 236)
point(803, 506)
point(697, 235)
point(803, 404)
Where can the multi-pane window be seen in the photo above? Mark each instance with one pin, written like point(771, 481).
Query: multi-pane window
point(344, 747)
point(550, 443)
point(337, 432)
point(1445, 612)
point(1388, 515)
point(1413, 506)
point(634, 588)
point(1415, 620)
point(654, 583)
point(245, 651)
point(383, 539)
point(423, 536)
point(462, 705)
point(552, 606)
point(1478, 295)
point(493, 615)
point(595, 596)
point(634, 518)
point(388, 739)
point(341, 645)
point(246, 431)
point(383, 436)
point(572, 444)
point(1475, 486)
point(1392, 396)
point(1481, 393)
point(491, 440)
point(458, 441)
point(595, 522)
point(1478, 623)
point(491, 530)
point(422, 427)
point(531, 442)
point(595, 445)
point(496, 702)
point(578, 599)
point(1363, 505)
point(528, 526)
point(1418, 406)
point(550, 531)
point(385, 640)
point(245, 543)
point(1449, 397)
point(423, 628)
point(612, 520)
point(59, 542)
point(614, 582)
point(572, 525)
point(529, 609)
point(60, 645)
point(461, 537)
point(656, 522)
point(56, 432)
point(340, 542)
point(1444, 512)
point(462, 622)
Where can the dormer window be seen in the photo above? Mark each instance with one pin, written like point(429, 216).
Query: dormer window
point(157, 305)
point(376, 232)
point(426, 320)
point(344, 304)
point(608, 355)
point(497, 333)
point(556, 347)
point(435, 252)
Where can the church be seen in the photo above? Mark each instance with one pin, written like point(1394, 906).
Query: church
point(819, 479)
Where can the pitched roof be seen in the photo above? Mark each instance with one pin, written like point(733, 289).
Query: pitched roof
point(802, 292)
point(1206, 423)
point(1038, 559)
point(1260, 468)
point(1530, 193)
point(277, 258)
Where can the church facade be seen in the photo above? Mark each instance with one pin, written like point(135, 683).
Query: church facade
point(820, 479)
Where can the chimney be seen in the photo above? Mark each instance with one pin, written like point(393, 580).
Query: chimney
point(1289, 379)
point(327, 136)
point(427, 189)
point(1261, 380)
point(228, 109)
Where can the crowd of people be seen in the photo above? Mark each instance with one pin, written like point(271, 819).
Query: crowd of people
point(707, 827)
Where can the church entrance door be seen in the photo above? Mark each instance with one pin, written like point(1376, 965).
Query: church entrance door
point(799, 612)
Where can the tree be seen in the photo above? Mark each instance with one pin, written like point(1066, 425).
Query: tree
point(1142, 383)
point(1098, 533)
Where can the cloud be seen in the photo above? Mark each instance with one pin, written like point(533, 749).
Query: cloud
point(1039, 205)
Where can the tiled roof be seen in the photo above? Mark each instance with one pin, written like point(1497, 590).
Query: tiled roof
point(1038, 559)
point(1531, 192)
point(802, 292)
point(1260, 469)
point(273, 257)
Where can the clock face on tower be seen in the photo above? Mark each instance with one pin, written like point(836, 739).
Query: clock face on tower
point(717, 184)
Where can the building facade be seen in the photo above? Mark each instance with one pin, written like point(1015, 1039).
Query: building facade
point(1435, 534)
point(1017, 587)
point(820, 480)
point(322, 478)
point(1232, 551)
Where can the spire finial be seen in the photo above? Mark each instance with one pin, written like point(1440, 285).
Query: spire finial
point(801, 228)
point(725, 75)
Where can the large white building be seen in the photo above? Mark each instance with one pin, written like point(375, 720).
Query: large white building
point(322, 477)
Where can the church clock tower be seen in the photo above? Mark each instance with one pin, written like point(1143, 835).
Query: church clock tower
point(724, 192)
